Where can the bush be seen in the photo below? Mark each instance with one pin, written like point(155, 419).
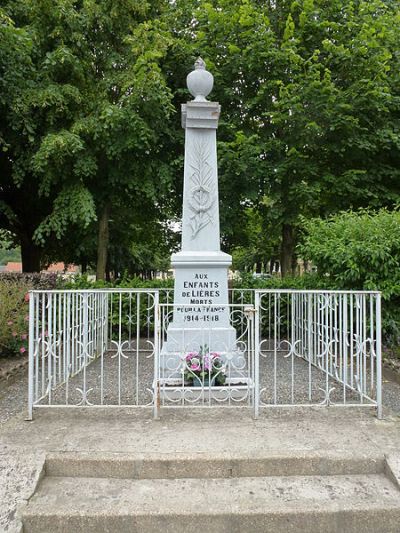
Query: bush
point(82, 282)
point(305, 282)
point(14, 317)
point(128, 307)
point(360, 250)
point(36, 281)
point(14, 309)
point(246, 281)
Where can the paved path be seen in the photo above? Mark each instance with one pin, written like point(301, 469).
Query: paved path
point(200, 432)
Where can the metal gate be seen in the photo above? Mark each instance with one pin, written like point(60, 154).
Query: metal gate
point(198, 366)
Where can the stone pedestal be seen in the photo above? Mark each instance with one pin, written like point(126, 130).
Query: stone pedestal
point(201, 313)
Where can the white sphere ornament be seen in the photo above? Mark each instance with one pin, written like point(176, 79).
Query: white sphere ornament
point(200, 82)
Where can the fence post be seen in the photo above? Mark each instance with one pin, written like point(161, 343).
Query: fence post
point(85, 347)
point(311, 356)
point(378, 358)
point(31, 354)
point(256, 334)
point(156, 378)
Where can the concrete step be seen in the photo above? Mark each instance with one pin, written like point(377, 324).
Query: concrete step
point(368, 503)
point(201, 465)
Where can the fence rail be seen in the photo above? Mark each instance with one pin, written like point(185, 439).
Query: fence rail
point(105, 347)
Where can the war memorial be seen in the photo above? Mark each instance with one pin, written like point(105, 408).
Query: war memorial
point(202, 407)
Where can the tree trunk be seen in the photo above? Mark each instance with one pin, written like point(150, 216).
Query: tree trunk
point(102, 243)
point(30, 255)
point(288, 259)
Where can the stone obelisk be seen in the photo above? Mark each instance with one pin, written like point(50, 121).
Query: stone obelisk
point(200, 316)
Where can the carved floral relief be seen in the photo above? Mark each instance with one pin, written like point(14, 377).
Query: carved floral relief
point(202, 195)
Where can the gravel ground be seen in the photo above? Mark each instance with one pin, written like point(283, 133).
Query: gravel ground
point(13, 396)
point(391, 391)
point(121, 377)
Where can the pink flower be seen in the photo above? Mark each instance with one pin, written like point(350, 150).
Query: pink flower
point(14, 333)
point(27, 318)
point(10, 323)
point(24, 336)
point(26, 297)
point(22, 349)
point(193, 361)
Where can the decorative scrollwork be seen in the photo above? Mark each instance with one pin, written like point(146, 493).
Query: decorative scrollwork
point(84, 393)
point(120, 347)
point(327, 396)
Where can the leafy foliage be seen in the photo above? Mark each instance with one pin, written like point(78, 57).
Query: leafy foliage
point(14, 318)
point(86, 127)
point(360, 250)
point(14, 312)
point(256, 246)
point(310, 105)
point(310, 95)
point(83, 282)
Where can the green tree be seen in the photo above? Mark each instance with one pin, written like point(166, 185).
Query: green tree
point(98, 108)
point(257, 247)
point(7, 250)
point(310, 113)
point(19, 211)
point(310, 106)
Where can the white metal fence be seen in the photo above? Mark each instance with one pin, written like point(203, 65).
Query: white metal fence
point(319, 347)
point(107, 347)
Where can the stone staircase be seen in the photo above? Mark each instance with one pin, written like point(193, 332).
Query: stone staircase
point(107, 492)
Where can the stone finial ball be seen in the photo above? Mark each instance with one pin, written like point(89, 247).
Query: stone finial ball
point(200, 82)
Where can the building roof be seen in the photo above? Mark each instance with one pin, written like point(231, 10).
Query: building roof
point(13, 266)
point(60, 268)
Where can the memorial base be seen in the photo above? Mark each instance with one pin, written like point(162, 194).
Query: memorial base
point(201, 312)
point(235, 388)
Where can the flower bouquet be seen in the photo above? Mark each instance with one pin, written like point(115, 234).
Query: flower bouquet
point(204, 368)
